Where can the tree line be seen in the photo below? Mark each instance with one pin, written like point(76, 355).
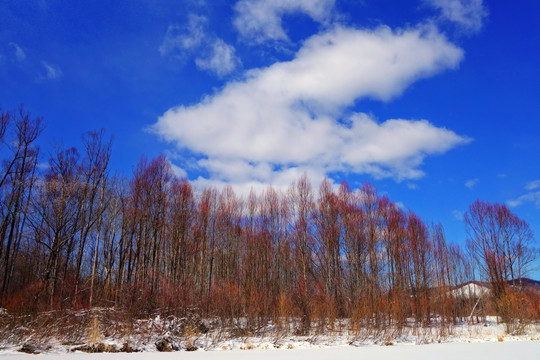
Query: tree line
point(74, 236)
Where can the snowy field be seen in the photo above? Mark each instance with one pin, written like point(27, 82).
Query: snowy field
point(486, 340)
point(522, 350)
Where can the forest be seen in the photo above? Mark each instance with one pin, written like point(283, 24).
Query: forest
point(76, 236)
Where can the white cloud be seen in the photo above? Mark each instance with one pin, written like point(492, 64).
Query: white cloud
point(532, 197)
point(249, 176)
point(467, 14)
point(260, 20)
point(178, 39)
point(458, 215)
point(20, 55)
point(532, 185)
point(184, 41)
point(472, 183)
point(178, 171)
point(52, 72)
point(287, 119)
point(221, 60)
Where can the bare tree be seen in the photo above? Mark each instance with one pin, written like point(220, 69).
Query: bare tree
point(18, 177)
point(55, 212)
point(502, 244)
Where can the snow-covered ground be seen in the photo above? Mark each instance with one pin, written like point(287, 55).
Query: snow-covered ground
point(484, 340)
point(455, 351)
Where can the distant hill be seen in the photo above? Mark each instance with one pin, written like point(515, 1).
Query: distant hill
point(480, 288)
point(526, 282)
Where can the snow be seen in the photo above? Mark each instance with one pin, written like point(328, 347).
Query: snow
point(461, 351)
point(466, 339)
point(470, 290)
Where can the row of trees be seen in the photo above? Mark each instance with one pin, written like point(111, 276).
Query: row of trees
point(74, 236)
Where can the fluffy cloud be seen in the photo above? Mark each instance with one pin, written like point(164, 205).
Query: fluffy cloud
point(287, 119)
point(178, 39)
point(260, 20)
point(178, 171)
point(220, 60)
point(467, 14)
point(183, 41)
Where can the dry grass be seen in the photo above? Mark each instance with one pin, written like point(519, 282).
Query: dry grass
point(98, 329)
point(94, 335)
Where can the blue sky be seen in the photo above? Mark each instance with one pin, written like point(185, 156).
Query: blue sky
point(434, 101)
